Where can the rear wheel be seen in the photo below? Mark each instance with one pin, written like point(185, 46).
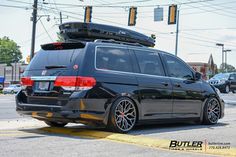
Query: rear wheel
point(212, 111)
point(55, 124)
point(123, 115)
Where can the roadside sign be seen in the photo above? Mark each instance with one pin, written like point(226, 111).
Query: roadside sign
point(158, 14)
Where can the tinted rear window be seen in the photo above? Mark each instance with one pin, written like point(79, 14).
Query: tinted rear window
point(45, 58)
point(117, 59)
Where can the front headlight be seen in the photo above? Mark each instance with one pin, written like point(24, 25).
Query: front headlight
point(221, 82)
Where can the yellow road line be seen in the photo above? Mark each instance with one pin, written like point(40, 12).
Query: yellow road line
point(132, 139)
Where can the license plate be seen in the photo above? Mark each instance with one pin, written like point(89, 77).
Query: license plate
point(43, 86)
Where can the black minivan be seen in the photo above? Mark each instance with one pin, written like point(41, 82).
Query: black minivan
point(116, 84)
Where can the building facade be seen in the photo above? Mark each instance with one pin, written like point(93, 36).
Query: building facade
point(207, 69)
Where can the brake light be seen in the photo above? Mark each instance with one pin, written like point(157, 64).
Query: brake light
point(75, 82)
point(26, 81)
point(85, 81)
point(57, 43)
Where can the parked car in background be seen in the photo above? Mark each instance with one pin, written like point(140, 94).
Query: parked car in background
point(1, 82)
point(12, 89)
point(225, 82)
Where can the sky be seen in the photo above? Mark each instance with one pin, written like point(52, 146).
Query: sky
point(201, 24)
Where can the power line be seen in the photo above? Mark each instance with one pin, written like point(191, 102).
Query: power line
point(214, 11)
point(37, 36)
point(15, 6)
point(207, 29)
point(22, 2)
point(216, 4)
point(220, 9)
point(123, 6)
point(202, 40)
point(206, 37)
point(125, 2)
point(45, 30)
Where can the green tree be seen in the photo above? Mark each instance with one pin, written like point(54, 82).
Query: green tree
point(9, 51)
point(227, 68)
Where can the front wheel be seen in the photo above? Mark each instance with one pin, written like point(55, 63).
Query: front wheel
point(211, 111)
point(123, 115)
point(55, 124)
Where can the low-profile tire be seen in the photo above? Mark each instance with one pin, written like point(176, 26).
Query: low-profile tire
point(123, 115)
point(227, 89)
point(212, 111)
point(55, 124)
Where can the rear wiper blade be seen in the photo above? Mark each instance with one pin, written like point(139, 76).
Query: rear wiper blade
point(55, 66)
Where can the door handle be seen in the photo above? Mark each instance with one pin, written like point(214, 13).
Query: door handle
point(177, 85)
point(165, 83)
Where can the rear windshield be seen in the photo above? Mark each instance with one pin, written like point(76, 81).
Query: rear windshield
point(46, 58)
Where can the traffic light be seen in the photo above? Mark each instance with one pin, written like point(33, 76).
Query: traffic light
point(28, 59)
point(132, 16)
point(172, 14)
point(88, 14)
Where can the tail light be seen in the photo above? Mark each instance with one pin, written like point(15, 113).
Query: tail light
point(26, 81)
point(75, 82)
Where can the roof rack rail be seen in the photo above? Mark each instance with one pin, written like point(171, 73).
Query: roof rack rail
point(117, 42)
point(80, 30)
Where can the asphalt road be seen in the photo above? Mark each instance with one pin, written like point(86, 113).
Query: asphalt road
point(24, 136)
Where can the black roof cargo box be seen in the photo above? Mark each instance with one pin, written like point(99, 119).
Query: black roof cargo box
point(92, 31)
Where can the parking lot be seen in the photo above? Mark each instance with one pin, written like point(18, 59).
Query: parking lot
point(24, 136)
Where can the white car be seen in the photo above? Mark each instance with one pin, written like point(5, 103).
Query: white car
point(14, 88)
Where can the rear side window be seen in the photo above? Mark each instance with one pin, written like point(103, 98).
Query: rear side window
point(117, 59)
point(149, 63)
point(45, 58)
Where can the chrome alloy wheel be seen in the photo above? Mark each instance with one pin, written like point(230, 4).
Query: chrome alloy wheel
point(125, 115)
point(213, 110)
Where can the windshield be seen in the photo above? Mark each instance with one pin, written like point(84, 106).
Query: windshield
point(221, 76)
point(46, 59)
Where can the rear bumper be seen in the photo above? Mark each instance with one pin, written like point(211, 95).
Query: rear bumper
point(71, 112)
point(47, 112)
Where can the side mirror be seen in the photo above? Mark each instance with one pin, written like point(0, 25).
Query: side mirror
point(197, 76)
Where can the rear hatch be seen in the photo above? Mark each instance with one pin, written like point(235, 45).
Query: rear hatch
point(51, 76)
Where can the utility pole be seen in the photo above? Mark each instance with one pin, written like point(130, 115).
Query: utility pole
point(226, 58)
point(222, 45)
point(34, 20)
point(60, 18)
point(177, 33)
point(15, 66)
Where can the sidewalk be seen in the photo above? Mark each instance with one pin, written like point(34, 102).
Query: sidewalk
point(229, 98)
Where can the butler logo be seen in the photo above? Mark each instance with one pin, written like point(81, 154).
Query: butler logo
point(185, 145)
